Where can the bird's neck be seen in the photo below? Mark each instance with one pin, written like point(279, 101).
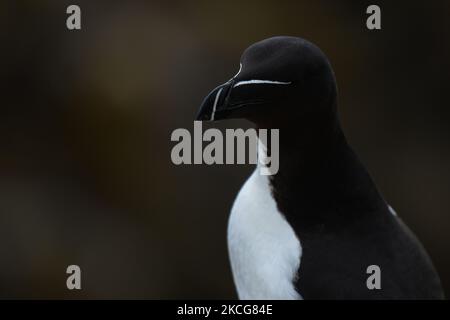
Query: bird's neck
point(320, 178)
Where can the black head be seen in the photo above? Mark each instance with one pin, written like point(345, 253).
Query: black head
point(279, 78)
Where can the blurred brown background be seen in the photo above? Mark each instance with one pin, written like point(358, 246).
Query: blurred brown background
point(86, 118)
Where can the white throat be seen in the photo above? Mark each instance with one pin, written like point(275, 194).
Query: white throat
point(264, 250)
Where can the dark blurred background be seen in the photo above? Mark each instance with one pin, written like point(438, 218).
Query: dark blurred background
point(86, 117)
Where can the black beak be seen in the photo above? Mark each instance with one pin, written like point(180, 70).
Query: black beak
point(234, 100)
point(214, 106)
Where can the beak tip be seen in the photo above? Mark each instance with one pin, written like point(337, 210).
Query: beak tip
point(202, 116)
point(213, 102)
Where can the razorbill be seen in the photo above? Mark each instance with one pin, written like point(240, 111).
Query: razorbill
point(312, 230)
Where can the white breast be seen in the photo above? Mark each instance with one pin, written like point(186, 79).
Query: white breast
point(264, 250)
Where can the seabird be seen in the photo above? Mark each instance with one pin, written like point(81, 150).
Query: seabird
point(312, 230)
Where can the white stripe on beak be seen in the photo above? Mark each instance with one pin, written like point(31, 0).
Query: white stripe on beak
point(215, 103)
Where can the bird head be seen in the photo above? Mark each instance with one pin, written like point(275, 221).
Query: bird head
point(280, 79)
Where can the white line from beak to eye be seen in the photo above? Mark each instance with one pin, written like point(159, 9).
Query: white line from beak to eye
point(239, 71)
point(240, 68)
point(242, 83)
point(215, 103)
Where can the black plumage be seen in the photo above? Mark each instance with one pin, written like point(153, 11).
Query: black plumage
point(322, 188)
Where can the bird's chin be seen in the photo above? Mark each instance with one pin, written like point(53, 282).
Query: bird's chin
point(249, 110)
